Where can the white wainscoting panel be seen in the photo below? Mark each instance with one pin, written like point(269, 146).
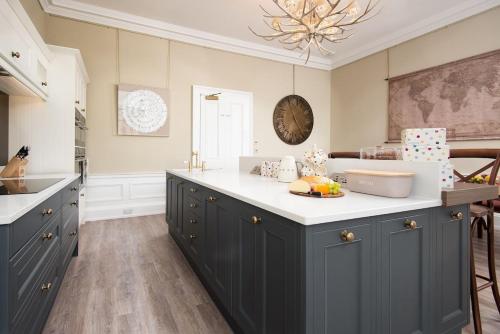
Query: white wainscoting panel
point(114, 196)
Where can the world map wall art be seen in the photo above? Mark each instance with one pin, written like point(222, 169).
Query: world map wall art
point(462, 96)
point(143, 111)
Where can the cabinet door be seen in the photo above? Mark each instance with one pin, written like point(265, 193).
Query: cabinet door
point(169, 198)
point(175, 225)
point(405, 275)
point(265, 273)
point(451, 296)
point(217, 255)
point(342, 280)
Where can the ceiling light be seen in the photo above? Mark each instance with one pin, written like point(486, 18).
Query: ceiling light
point(304, 24)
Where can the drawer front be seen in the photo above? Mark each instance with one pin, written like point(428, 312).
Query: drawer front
point(69, 225)
point(68, 248)
point(192, 206)
point(194, 190)
point(193, 232)
point(25, 227)
point(34, 313)
point(71, 190)
point(29, 264)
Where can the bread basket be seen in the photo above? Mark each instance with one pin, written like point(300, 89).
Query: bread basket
point(380, 183)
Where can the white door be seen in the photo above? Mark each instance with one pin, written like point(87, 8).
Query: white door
point(222, 125)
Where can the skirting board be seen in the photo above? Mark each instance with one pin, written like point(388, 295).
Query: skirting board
point(114, 196)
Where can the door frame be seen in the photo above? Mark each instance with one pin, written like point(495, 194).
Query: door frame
point(197, 92)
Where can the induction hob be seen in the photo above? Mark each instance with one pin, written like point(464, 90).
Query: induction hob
point(25, 186)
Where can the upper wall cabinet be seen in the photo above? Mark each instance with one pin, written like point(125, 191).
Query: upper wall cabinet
point(81, 81)
point(23, 53)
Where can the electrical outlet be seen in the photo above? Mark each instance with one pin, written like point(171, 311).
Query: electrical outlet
point(127, 211)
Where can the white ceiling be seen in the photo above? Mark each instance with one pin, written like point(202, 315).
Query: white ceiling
point(224, 24)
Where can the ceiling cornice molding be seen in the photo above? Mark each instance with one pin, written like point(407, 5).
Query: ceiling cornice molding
point(440, 20)
point(103, 16)
point(107, 17)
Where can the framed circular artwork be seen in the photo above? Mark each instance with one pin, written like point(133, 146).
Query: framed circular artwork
point(293, 119)
point(142, 111)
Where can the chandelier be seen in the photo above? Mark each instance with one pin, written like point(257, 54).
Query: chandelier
point(304, 24)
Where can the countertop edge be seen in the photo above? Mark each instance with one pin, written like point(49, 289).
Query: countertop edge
point(306, 221)
point(38, 197)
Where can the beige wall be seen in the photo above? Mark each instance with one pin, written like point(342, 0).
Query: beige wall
point(114, 56)
point(37, 15)
point(360, 93)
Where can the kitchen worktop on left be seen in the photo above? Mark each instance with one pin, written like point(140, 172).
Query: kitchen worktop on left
point(12, 207)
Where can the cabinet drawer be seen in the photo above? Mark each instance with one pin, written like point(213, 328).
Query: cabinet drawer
point(67, 249)
point(33, 314)
point(29, 264)
point(194, 190)
point(192, 206)
point(25, 227)
point(69, 225)
point(71, 190)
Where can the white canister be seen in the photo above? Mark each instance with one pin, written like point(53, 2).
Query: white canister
point(288, 169)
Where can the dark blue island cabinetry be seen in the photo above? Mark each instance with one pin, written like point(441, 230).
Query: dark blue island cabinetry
point(35, 251)
point(399, 273)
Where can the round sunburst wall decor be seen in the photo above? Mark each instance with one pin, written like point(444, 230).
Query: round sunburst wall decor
point(293, 119)
point(144, 111)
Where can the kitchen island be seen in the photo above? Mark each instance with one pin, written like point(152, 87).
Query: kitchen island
point(278, 263)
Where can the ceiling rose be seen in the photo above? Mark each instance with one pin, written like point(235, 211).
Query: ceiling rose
point(312, 23)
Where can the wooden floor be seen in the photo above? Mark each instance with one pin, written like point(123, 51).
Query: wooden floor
point(130, 277)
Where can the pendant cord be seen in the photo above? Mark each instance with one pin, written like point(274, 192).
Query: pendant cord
point(293, 78)
point(169, 67)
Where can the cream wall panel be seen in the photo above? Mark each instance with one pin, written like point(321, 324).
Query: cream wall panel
point(359, 92)
point(144, 60)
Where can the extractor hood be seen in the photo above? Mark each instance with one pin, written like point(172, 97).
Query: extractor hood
point(12, 86)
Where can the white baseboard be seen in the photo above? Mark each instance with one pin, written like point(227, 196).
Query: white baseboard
point(114, 196)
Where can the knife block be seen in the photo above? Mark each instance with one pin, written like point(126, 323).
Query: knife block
point(15, 168)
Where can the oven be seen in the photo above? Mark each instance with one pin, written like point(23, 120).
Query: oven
point(81, 162)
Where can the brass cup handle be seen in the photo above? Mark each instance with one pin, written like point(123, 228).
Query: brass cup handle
point(457, 215)
point(212, 198)
point(192, 221)
point(411, 224)
point(193, 190)
point(347, 236)
point(15, 54)
point(46, 286)
point(256, 220)
point(77, 102)
point(47, 236)
point(192, 236)
point(75, 203)
point(44, 83)
point(72, 234)
point(47, 212)
point(74, 188)
point(193, 205)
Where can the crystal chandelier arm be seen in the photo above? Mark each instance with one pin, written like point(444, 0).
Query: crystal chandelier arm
point(268, 37)
point(336, 40)
point(276, 2)
point(361, 18)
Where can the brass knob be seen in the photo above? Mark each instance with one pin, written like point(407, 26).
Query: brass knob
point(44, 83)
point(47, 212)
point(193, 190)
point(193, 205)
point(457, 215)
point(47, 236)
point(72, 234)
point(212, 198)
point(192, 221)
point(411, 224)
point(75, 203)
point(347, 236)
point(15, 55)
point(77, 102)
point(256, 220)
point(46, 286)
point(192, 236)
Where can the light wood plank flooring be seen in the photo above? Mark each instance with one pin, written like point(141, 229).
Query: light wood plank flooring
point(131, 277)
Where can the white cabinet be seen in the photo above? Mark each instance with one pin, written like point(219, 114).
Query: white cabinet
point(22, 51)
point(81, 80)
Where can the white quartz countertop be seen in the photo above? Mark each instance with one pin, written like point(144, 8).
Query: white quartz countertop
point(13, 207)
point(271, 195)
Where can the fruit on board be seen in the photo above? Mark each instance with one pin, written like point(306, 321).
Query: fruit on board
point(300, 186)
point(323, 188)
